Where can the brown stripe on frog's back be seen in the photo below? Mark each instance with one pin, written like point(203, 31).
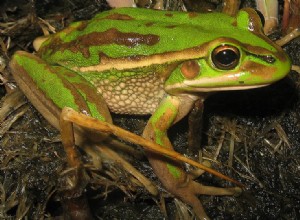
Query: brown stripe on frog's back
point(110, 36)
point(113, 36)
point(117, 16)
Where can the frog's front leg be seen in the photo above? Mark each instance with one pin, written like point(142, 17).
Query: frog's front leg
point(170, 172)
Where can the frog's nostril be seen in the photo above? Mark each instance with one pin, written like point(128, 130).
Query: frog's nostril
point(268, 59)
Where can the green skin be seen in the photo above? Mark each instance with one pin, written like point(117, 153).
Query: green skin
point(139, 61)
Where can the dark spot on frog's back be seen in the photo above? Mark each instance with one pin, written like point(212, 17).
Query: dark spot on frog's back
point(169, 14)
point(113, 36)
point(192, 14)
point(117, 16)
point(171, 26)
point(149, 24)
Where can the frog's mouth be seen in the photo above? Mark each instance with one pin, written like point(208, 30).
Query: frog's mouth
point(223, 88)
point(216, 84)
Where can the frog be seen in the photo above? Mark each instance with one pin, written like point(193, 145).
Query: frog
point(147, 62)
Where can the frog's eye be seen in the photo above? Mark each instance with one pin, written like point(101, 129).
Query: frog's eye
point(225, 57)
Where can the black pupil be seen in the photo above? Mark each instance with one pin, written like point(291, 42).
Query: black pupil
point(226, 57)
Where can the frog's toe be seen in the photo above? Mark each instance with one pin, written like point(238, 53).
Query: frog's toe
point(200, 189)
point(198, 172)
point(238, 191)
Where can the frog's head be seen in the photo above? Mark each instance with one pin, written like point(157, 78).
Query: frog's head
point(245, 58)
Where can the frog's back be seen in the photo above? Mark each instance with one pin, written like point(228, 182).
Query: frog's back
point(129, 33)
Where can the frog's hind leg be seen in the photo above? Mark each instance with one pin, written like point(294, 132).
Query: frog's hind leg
point(168, 170)
point(50, 89)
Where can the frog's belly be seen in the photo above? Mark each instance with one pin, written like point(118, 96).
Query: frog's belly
point(132, 95)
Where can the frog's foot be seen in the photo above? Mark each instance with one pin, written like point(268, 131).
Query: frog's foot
point(188, 192)
point(182, 185)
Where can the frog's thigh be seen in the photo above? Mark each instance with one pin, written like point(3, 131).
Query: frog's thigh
point(50, 89)
point(85, 99)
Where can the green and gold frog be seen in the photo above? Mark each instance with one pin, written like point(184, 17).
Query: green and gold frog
point(147, 62)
